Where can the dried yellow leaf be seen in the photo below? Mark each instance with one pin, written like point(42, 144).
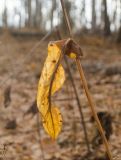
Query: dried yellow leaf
point(51, 114)
point(52, 122)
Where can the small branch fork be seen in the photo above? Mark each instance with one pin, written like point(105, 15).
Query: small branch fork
point(84, 83)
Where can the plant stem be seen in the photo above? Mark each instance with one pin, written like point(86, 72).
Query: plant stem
point(84, 82)
point(66, 18)
point(76, 96)
point(92, 105)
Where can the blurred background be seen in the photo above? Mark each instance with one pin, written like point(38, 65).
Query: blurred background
point(102, 16)
point(26, 28)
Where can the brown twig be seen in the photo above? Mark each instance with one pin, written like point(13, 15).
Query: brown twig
point(77, 97)
point(92, 105)
point(86, 88)
point(66, 18)
point(79, 105)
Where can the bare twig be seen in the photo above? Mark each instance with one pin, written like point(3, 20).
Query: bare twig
point(92, 105)
point(77, 97)
point(66, 18)
point(79, 105)
point(86, 88)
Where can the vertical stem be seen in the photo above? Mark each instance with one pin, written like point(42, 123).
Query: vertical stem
point(66, 18)
point(92, 105)
point(77, 97)
point(86, 88)
point(79, 105)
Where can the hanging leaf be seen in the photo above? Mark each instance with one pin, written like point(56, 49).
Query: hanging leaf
point(51, 80)
point(52, 122)
point(51, 115)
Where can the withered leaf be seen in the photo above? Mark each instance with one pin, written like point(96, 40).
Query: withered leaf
point(51, 116)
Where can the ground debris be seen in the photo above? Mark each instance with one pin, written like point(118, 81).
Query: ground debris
point(11, 124)
point(19, 123)
point(111, 70)
point(7, 96)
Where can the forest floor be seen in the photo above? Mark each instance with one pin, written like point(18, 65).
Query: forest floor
point(19, 74)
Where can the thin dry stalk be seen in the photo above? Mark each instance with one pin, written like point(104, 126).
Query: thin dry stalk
point(66, 18)
point(92, 105)
point(79, 105)
point(84, 82)
point(76, 96)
